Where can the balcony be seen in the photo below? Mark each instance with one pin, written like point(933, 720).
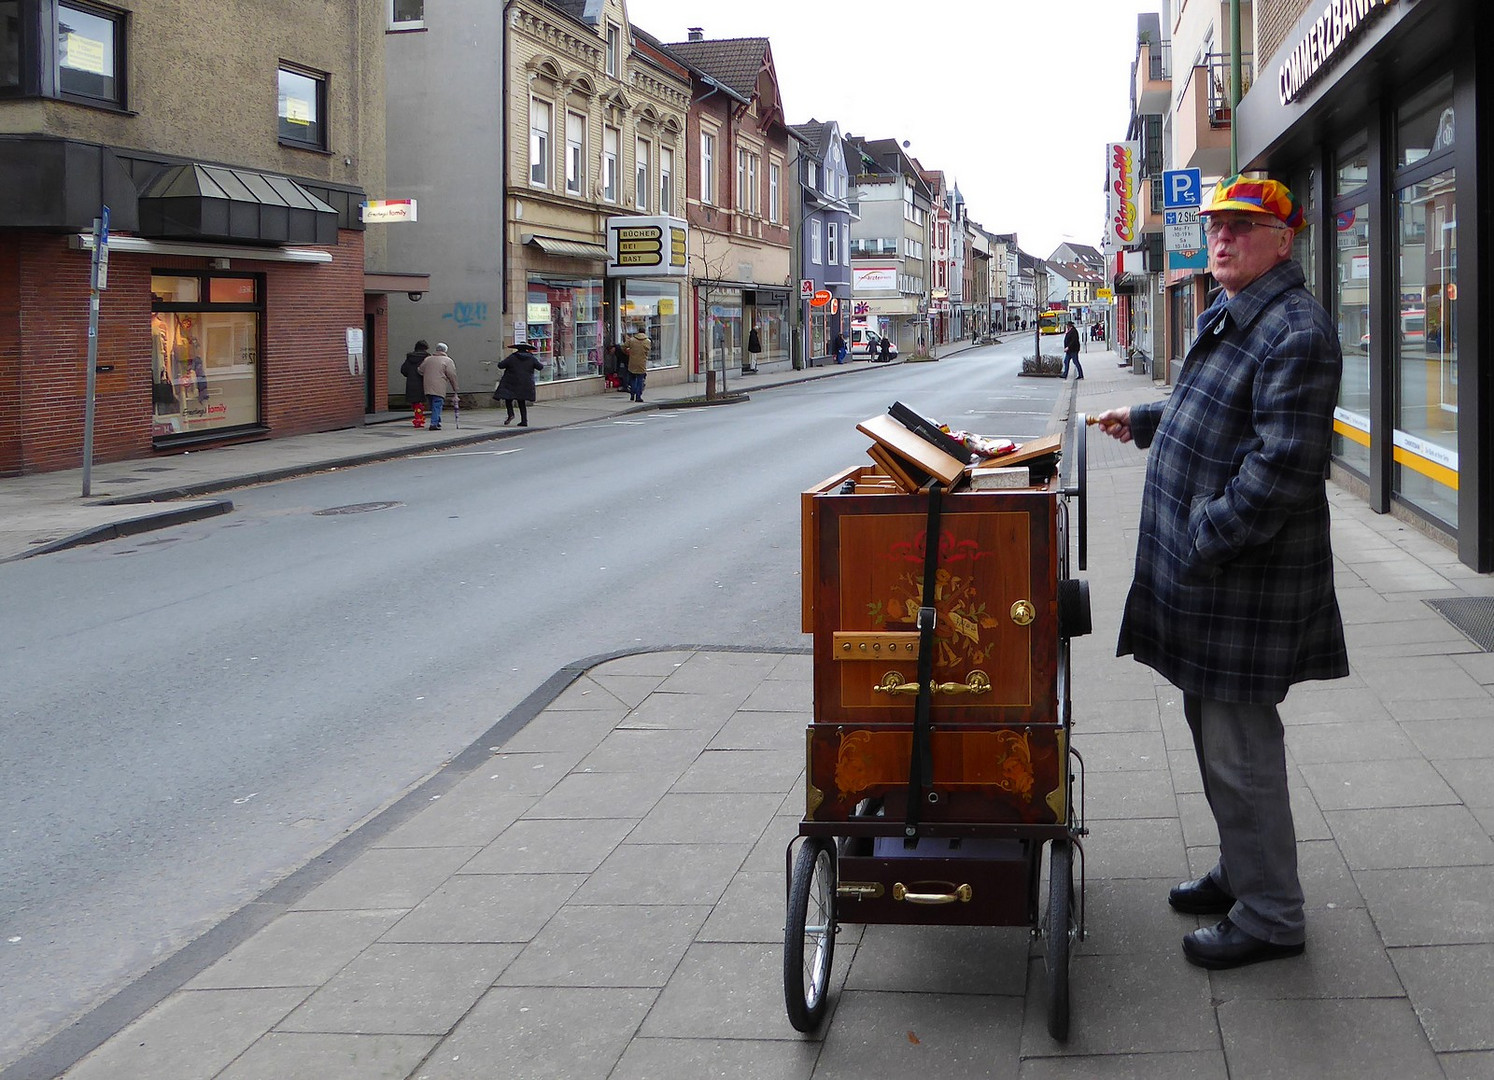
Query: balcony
point(1150, 204)
point(1201, 124)
point(1151, 77)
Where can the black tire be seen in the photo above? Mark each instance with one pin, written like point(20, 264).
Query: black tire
point(809, 935)
point(1057, 936)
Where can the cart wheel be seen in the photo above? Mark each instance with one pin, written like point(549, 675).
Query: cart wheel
point(809, 935)
point(1058, 936)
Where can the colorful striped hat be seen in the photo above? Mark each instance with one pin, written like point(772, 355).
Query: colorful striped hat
point(1257, 197)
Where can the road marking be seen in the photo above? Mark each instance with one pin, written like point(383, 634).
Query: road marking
point(483, 453)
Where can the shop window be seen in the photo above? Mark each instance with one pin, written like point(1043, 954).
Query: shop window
point(1351, 303)
point(654, 308)
point(205, 343)
point(563, 319)
point(1351, 165)
point(1424, 124)
point(406, 14)
point(1425, 348)
point(303, 107)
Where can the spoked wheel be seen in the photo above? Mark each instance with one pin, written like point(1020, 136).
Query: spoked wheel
point(1058, 935)
point(809, 935)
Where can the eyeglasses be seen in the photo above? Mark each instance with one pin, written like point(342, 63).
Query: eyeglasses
point(1238, 226)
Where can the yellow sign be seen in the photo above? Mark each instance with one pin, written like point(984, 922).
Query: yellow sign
point(666, 306)
point(1104, 294)
point(677, 248)
point(640, 246)
point(539, 313)
point(83, 54)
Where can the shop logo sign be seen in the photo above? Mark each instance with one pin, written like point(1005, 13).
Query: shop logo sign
point(1339, 22)
point(1122, 185)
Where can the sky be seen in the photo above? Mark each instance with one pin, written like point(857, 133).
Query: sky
point(1013, 99)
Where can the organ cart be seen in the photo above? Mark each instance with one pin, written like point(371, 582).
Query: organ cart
point(939, 761)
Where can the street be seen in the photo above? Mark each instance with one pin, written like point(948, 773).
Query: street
point(194, 713)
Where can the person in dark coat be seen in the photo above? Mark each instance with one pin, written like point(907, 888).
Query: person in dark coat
point(884, 350)
point(516, 384)
point(1233, 598)
point(1071, 351)
point(838, 348)
point(414, 384)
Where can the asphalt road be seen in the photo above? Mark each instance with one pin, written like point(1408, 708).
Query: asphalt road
point(192, 714)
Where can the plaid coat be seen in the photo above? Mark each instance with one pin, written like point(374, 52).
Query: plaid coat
point(1233, 595)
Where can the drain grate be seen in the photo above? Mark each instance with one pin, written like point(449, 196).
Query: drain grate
point(1473, 616)
point(355, 508)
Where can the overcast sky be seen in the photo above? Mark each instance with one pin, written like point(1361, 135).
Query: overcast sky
point(1014, 99)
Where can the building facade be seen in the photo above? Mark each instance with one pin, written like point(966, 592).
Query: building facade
point(233, 148)
point(893, 213)
point(580, 119)
point(822, 222)
point(737, 205)
point(1371, 110)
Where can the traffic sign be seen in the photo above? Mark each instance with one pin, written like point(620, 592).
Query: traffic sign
point(1181, 229)
point(1182, 187)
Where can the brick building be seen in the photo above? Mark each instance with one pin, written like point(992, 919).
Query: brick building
point(233, 147)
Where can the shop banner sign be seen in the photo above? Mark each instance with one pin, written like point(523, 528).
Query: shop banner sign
point(1122, 190)
point(1338, 23)
point(654, 246)
point(874, 279)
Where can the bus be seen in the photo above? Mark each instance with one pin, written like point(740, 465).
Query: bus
point(1053, 322)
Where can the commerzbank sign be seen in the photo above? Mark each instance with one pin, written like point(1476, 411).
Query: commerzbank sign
point(1338, 23)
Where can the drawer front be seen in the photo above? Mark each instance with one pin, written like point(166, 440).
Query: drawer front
point(995, 643)
point(937, 892)
point(995, 774)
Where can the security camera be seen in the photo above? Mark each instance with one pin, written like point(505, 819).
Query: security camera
point(415, 297)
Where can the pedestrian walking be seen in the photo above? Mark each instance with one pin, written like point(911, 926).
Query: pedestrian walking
point(884, 350)
point(754, 346)
point(438, 375)
point(1233, 599)
point(414, 384)
point(638, 348)
point(516, 385)
point(838, 348)
point(1071, 352)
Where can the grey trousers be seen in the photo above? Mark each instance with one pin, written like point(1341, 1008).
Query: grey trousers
point(1242, 758)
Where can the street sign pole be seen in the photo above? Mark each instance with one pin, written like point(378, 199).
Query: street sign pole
point(98, 278)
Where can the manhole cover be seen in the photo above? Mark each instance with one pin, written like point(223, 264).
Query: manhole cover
point(355, 508)
point(1473, 616)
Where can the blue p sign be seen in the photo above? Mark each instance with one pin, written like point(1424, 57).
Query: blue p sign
point(1182, 187)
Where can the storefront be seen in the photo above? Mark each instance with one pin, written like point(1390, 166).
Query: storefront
point(205, 348)
point(565, 324)
point(1357, 110)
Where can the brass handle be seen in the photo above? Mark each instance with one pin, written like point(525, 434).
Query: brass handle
point(977, 682)
point(961, 894)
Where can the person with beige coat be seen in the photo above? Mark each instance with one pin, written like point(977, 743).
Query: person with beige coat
point(438, 371)
point(638, 348)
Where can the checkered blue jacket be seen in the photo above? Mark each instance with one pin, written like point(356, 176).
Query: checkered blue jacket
point(1233, 594)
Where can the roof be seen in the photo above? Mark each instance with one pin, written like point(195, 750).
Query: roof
point(734, 62)
point(816, 135)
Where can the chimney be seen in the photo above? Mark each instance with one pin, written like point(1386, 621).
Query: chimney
point(696, 33)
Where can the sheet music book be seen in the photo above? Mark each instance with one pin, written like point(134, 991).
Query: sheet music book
point(893, 438)
point(927, 429)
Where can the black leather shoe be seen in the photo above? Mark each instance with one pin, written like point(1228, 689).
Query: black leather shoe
point(1227, 946)
point(1201, 897)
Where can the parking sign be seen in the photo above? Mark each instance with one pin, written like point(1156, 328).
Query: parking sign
point(1182, 187)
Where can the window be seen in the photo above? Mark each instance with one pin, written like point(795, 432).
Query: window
point(614, 50)
point(707, 168)
point(303, 107)
point(610, 143)
point(775, 199)
point(816, 255)
point(539, 142)
point(575, 153)
point(90, 52)
point(749, 195)
point(10, 45)
point(666, 180)
point(845, 248)
point(812, 174)
point(205, 344)
point(640, 166)
point(832, 250)
point(406, 14)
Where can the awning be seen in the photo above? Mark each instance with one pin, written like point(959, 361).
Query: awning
point(212, 202)
point(569, 249)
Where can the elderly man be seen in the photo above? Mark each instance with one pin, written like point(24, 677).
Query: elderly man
point(438, 374)
point(1233, 597)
